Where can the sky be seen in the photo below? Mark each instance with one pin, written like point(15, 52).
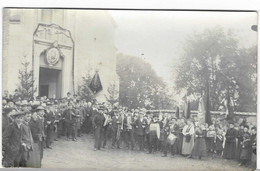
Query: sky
point(158, 36)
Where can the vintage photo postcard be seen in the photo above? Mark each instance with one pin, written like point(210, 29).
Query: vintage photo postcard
point(129, 89)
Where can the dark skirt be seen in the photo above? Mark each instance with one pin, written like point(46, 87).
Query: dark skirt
point(179, 143)
point(199, 148)
point(210, 143)
point(230, 150)
point(246, 154)
point(219, 145)
point(238, 150)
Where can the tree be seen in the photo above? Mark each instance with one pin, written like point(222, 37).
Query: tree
point(26, 89)
point(239, 73)
point(83, 90)
point(214, 56)
point(139, 85)
point(113, 94)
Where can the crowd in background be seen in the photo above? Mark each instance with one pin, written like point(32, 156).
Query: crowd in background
point(31, 126)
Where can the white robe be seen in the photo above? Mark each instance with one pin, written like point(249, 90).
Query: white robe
point(188, 146)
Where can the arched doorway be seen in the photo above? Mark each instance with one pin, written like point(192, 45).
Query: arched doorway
point(50, 74)
point(53, 60)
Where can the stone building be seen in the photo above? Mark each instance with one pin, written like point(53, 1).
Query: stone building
point(62, 46)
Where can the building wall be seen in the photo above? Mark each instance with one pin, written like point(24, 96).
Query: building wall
point(93, 34)
point(95, 49)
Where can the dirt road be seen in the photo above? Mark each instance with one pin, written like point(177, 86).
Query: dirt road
point(81, 155)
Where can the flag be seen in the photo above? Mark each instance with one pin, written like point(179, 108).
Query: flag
point(229, 107)
point(177, 113)
point(202, 110)
point(204, 115)
point(95, 85)
point(208, 115)
point(187, 110)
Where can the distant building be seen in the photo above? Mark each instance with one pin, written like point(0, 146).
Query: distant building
point(62, 46)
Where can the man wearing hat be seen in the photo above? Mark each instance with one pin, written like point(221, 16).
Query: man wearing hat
point(58, 120)
point(98, 122)
point(230, 144)
point(68, 121)
point(24, 104)
point(6, 118)
point(35, 155)
point(106, 126)
point(40, 112)
point(12, 141)
point(26, 138)
point(141, 123)
point(129, 120)
point(69, 96)
point(154, 134)
point(78, 119)
point(49, 119)
point(115, 125)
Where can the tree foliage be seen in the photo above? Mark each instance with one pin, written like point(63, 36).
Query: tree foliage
point(83, 90)
point(215, 56)
point(26, 89)
point(113, 94)
point(139, 85)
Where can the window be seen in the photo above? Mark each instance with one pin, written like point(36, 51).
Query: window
point(15, 19)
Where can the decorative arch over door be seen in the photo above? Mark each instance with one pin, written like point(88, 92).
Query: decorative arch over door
point(53, 61)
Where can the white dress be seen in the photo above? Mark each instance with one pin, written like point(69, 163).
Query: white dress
point(188, 146)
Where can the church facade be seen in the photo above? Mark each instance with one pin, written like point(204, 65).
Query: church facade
point(62, 46)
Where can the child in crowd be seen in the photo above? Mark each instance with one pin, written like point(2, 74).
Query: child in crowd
point(219, 139)
point(211, 134)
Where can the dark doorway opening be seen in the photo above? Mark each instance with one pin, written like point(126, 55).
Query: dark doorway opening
point(50, 83)
point(44, 90)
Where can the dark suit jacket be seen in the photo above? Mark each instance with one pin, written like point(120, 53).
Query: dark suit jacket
point(116, 122)
point(26, 136)
point(68, 115)
point(12, 140)
point(50, 117)
point(6, 120)
point(140, 126)
point(98, 120)
point(35, 129)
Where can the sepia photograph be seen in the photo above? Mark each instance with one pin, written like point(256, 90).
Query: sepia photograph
point(115, 89)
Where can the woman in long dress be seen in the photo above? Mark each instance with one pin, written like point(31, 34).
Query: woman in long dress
point(230, 143)
point(188, 138)
point(200, 149)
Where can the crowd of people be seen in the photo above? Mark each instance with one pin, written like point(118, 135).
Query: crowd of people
point(31, 126)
